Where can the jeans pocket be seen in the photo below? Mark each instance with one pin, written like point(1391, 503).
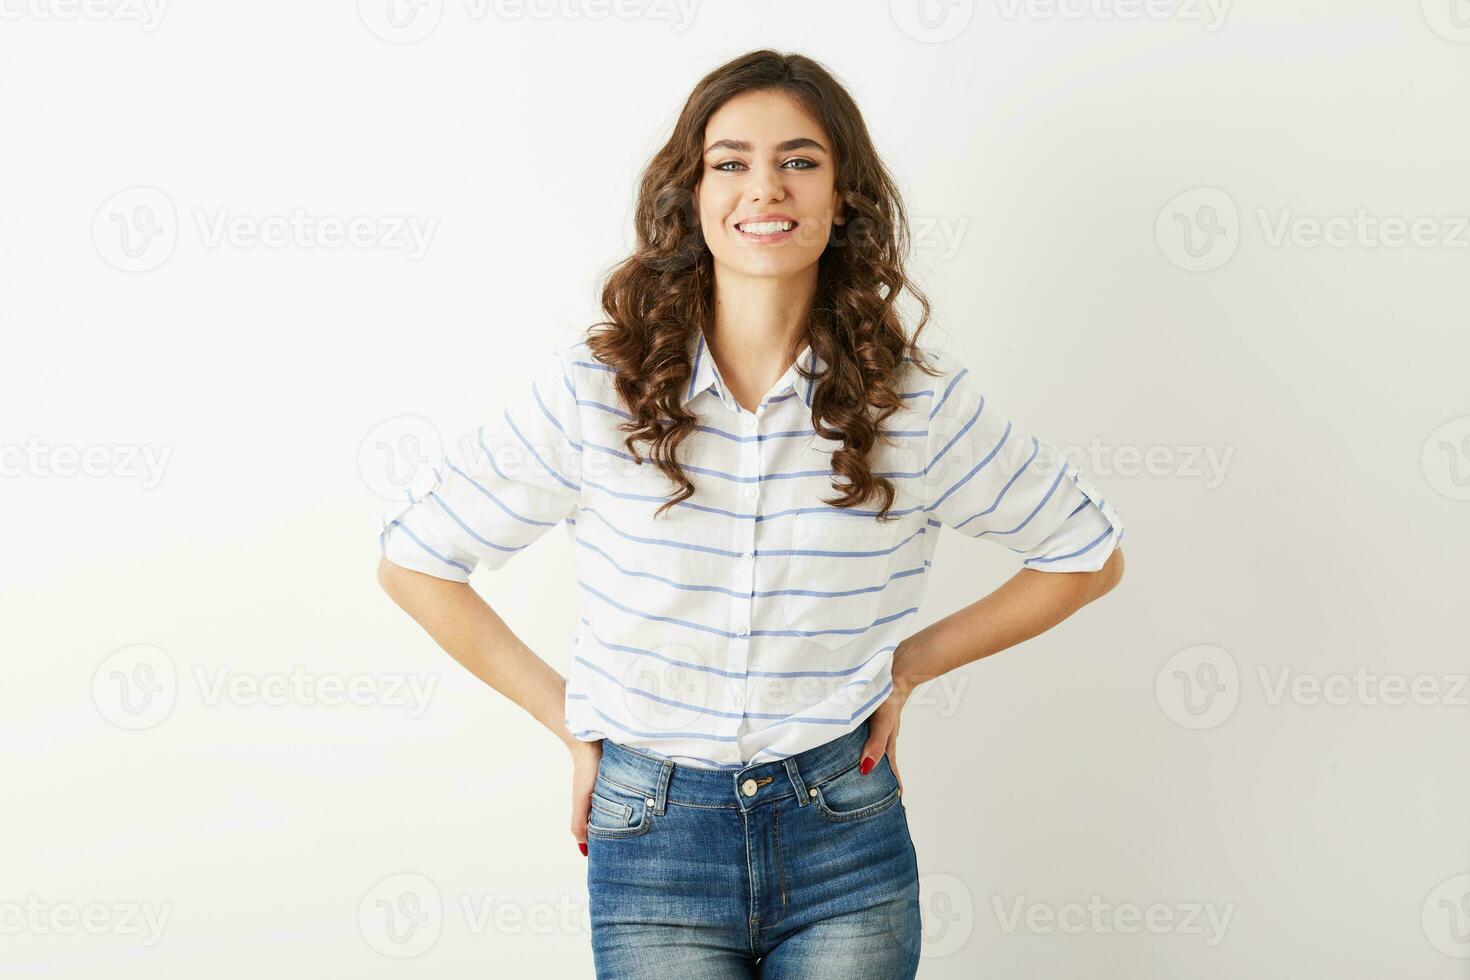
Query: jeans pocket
point(618, 812)
point(852, 796)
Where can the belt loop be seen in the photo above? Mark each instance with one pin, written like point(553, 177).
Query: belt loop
point(661, 788)
point(794, 772)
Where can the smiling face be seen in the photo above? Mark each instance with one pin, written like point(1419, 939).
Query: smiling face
point(767, 194)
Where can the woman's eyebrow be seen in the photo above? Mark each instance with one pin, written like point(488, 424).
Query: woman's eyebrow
point(741, 146)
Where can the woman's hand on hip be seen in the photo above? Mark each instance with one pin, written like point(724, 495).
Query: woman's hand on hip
point(883, 734)
point(585, 757)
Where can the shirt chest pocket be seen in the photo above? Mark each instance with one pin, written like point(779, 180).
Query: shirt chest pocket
point(837, 570)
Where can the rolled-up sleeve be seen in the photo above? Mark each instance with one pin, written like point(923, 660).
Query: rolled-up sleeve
point(499, 488)
point(989, 478)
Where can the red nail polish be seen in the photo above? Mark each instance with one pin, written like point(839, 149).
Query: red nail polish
point(867, 765)
point(582, 847)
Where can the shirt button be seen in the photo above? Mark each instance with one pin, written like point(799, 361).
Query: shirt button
point(750, 422)
point(750, 492)
point(748, 787)
point(742, 631)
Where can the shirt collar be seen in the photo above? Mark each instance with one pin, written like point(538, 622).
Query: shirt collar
point(707, 375)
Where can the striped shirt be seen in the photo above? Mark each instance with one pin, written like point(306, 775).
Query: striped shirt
point(752, 621)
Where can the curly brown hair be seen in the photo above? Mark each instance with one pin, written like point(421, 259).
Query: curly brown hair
point(657, 298)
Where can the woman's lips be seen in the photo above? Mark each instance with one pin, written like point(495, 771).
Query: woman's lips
point(769, 238)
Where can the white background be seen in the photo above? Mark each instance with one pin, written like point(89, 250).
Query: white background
point(1140, 756)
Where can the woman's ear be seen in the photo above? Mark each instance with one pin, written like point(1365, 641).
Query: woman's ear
point(838, 217)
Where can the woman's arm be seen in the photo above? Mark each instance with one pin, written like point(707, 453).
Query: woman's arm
point(472, 633)
point(1028, 604)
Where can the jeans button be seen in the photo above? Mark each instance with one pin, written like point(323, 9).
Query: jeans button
point(748, 787)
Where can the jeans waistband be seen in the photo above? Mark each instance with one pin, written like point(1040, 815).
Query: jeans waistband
point(664, 781)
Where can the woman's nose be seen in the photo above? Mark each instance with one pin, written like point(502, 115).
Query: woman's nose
point(765, 185)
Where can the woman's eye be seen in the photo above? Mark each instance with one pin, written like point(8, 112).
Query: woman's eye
point(808, 164)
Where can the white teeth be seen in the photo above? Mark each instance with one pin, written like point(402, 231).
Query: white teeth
point(766, 227)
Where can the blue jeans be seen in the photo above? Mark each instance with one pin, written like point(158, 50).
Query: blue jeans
point(797, 868)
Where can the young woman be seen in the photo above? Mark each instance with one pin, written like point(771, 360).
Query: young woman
point(753, 459)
